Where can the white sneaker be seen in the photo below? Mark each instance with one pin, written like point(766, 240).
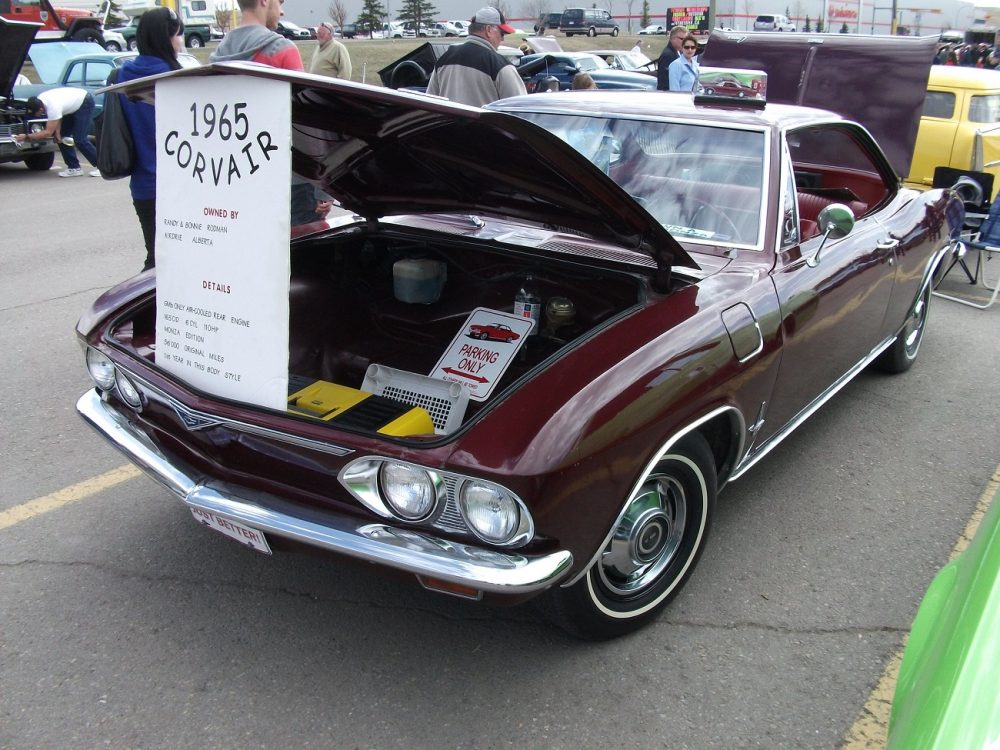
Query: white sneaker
point(78, 172)
point(95, 173)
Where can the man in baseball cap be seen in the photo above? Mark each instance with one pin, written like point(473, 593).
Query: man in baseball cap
point(490, 16)
point(473, 72)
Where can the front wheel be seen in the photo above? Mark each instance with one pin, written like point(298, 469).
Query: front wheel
point(901, 355)
point(614, 31)
point(651, 552)
point(39, 162)
point(592, 31)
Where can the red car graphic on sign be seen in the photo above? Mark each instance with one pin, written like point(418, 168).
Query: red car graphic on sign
point(493, 333)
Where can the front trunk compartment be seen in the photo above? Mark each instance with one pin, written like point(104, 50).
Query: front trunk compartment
point(346, 314)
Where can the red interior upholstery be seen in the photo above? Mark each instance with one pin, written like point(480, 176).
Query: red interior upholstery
point(811, 204)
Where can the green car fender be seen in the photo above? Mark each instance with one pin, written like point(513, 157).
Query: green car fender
point(948, 691)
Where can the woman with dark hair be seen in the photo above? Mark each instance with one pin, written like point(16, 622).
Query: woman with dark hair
point(160, 38)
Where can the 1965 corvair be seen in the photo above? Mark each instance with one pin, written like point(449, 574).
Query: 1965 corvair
point(709, 276)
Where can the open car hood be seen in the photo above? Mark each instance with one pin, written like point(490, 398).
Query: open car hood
point(15, 38)
point(381, 152)
point(839, 72)
point(49, 58)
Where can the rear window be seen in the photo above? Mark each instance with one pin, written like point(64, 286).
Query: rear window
point(985, 108)
point(574, 14)
point(939, 104)
point(765, 19)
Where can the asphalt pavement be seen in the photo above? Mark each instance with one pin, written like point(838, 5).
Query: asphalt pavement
point(126, 625)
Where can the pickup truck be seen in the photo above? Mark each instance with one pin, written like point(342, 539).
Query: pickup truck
point(196, 35)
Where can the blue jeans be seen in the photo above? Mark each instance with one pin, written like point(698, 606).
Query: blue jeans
point(77, 125)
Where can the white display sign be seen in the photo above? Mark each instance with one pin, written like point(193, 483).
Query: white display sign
point(223, 171)
point(483, 349)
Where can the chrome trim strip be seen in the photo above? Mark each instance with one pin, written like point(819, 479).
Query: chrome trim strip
point(847, 377)
point(402, 549)
point(749, 460)
point(199, 420)
point(649, 467)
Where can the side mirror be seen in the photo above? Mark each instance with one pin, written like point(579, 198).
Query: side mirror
point(836, 221)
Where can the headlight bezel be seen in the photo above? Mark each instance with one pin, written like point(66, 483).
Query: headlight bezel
point(100, 365)
point(386, 485)
point(520, 531)
point(360, 478)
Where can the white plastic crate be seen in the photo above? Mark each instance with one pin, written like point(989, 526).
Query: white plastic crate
point(445, 402)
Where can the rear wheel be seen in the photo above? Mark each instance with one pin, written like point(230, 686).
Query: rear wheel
point(653, 549)
point(87, 35)
point(903, 353)
point(113, 47)
point(39, 162)
point(133, 45)
point(194, 42)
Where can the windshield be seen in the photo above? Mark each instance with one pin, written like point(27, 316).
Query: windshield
point(702, 183)
point(589, 62)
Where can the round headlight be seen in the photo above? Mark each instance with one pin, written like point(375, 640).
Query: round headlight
point(491, 512)
point(128, 391)
point(408, 490)
point(101, 369)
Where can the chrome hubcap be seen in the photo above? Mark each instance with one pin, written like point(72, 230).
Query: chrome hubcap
point(647, 538)
point(915, 326)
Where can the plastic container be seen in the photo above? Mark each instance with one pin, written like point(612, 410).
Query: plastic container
point(528, 303)
point(418, 280)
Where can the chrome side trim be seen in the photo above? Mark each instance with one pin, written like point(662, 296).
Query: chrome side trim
point(674, 439)
point(403, 549)
point(750, 459)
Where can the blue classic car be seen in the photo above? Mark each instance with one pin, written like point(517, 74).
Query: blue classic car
point(79, 64)
point(564, 65)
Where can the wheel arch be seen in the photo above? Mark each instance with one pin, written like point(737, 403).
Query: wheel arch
point(722, 428)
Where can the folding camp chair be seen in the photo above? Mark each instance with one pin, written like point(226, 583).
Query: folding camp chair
point(985, 243)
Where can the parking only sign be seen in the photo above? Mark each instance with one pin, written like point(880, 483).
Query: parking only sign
point(482, 350)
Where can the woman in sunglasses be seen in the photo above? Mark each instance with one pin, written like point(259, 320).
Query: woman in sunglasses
point(683, 72)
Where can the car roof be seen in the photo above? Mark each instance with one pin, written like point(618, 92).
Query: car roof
point(964, 77)
point(667, 105)
point(828, 70)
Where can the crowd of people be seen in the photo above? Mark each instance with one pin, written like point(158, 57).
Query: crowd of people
point(971, 55)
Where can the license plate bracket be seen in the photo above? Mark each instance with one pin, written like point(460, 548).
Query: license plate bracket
point(245, 535)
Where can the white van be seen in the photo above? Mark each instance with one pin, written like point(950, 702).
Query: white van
point(773, 22)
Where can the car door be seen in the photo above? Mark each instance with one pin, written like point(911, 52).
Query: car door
point(939, 123)
point(833, 294)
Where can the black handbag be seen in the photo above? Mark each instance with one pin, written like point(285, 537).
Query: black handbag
point(115, 150)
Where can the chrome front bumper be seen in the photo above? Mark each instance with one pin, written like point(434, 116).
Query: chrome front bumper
point(400, 548)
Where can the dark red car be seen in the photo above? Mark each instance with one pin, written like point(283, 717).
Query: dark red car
point(493, 333)
point(721, 273)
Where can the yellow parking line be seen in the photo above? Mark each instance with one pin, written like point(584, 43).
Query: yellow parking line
point(67, 495)
point(870, 729)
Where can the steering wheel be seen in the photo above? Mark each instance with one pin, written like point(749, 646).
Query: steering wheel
point(716, 219)
point(408, 73)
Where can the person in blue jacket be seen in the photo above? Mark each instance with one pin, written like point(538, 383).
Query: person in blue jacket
point(160, 37)
point(683, 72)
